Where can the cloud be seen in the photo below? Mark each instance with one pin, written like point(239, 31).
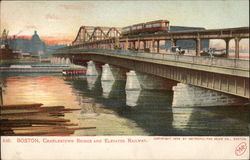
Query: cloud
point(19, 32)
point(51, 16)
point(71, 6)
point(30, 27)
point(52, 40)
point(77, 7)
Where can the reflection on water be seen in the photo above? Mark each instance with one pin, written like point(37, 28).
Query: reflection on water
point(107, 87)
point(212, 120)
point(132, 97)
point(107, 106)
point(91, 81)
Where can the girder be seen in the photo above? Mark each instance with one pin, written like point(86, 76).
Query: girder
point(93, 33)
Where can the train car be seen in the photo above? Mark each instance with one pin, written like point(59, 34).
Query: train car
point(148, 27)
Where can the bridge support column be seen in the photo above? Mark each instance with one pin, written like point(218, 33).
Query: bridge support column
point(174, 42)
point(116, 43)
point(227, 47)
point(198, 47)
point(152, 46)
point(136, 80)
point(126, 45)
point(132, 82)
point(1, 95)
point(107, 80)
point(129, 45)
point(111, 45)
point(144, 45)
point(92, 69)
point(109, 75)
point(158, 46)
point(134, 45)
point(133, 88)
point(237, 47)
point(188, 95)
point(138, 44)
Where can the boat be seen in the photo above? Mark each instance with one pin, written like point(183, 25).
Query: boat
point(73, 72)
point(7, 53)
point(16, 68)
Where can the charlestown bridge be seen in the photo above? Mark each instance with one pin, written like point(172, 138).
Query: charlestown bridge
point(196, 80)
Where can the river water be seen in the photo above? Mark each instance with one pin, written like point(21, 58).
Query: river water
point(106, 107)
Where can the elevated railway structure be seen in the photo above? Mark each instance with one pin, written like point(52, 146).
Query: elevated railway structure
point(151, 42)
point(227, 75)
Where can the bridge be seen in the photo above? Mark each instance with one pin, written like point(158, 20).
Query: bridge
point(225, 80)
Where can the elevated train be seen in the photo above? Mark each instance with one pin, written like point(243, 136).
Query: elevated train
point(148, 27)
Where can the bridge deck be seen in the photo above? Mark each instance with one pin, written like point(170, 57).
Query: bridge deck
point(235, 67)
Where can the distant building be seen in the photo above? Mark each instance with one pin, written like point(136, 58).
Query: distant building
point(37, 46)
point(34, 46)
point(187, 44)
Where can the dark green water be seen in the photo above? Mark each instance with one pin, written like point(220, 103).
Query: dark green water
point(152, 113)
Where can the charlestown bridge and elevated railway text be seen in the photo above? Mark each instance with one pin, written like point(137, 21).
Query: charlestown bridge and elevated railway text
point(205, 80)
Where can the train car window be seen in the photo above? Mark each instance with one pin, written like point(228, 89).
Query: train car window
point(148, 25)
point(133, 28)
point(156, 25)
point(126, 29)
point(139, 27)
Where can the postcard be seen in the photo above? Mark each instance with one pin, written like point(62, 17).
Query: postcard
point(124, 80)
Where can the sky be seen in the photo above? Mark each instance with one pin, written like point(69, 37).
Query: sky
point(62, 19)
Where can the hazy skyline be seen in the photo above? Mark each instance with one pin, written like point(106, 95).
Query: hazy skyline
point(62, 19)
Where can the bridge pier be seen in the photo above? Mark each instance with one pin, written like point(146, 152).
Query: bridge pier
point(132, 82)
point(174, 42)
point(138, 81)
point(144, 45)
point(110, 74)
point(126, 45)
point(237, 47)
point(198, 47)
point(152, 46)
point(227, 47)
point(158, 46)
point(138, 44)
point(112, 44)
point(92, 69)
point(132, 88)
point(188, 95)
point(134, 45)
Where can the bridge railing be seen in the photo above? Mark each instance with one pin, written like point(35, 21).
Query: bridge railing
point(223, 62)
point(218, 62)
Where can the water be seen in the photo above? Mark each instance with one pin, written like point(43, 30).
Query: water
point(105, 106)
